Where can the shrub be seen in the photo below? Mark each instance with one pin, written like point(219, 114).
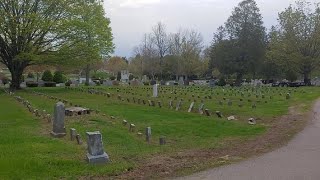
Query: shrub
point(49, 84)
point(68, 83)
point(221, 82)
point(58, 77)
point(32, 84)
point(47, 76)
point(112, 78)
point(146, 83)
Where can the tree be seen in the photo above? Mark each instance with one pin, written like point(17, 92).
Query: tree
point(147, 54)
point(38, 70)
point(51, 32)
point(58, 77)
point(185, 49)
point(47, 76)
point(161, 43)
point(239, 47)
point(116, 64)
point(295, 42)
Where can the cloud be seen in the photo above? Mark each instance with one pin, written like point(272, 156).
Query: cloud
point(138, 3)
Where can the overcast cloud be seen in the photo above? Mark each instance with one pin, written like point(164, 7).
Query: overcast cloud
point(130, 19)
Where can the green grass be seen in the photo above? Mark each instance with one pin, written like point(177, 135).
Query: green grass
point(28, 151)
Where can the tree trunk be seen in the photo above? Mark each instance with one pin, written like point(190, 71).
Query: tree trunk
point(306, 78)
point(16, 76)
point(87, 75)
point(239, 79)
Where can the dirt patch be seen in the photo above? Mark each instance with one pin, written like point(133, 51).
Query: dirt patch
point(281, 130)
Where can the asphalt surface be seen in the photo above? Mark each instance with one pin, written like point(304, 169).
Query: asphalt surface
point(299, 160)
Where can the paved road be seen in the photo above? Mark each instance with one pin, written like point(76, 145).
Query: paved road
point(299, 160)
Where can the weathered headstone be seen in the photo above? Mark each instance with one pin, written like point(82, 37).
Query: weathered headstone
point(124, 122)
point(132, 127)
point(58, 129)
point(191, 107)
point(178, 105)
point(78, 138)
point(231, 118)
point(155, 90)
point(288, 96)
point(162, 140)
point(171, 104)
point(218, 113)
point(207, 112)
point(73, 134)
point(201, 108)
point(252, 121)
point(148, 134)
point(96, 153)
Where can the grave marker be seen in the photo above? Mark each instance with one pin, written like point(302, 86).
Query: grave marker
point(58, 129)
point(96, 153)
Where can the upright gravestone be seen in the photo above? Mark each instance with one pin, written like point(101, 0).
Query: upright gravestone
point(191, 107)
point(148, 134)
point(73, 134)
point(179, 105)
point(96, 153)
point(155, 90)
point(58, 129)
point(201, 108)
point(171, 104)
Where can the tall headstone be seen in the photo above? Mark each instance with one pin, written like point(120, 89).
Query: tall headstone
point(155, 90)
point(96, 153)
point(58, 129)
point(148, 134)
point(179, 105)
point(201, 108)
point(191, 107)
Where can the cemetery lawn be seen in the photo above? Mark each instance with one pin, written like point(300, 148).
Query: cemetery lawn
point(194, 142)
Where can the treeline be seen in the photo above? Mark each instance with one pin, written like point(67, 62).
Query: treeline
point(242, 48)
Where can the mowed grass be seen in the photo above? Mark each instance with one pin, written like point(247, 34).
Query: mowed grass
point(28, 152)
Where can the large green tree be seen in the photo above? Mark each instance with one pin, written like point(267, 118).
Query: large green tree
point(295, 42)
point(239, 45)
point(70, 32)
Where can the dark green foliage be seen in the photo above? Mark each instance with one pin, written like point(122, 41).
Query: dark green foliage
point(239, 47)
point(221, 82)
point(72, 33)
point(47, 76)
point(68, 83)
point(58, 77)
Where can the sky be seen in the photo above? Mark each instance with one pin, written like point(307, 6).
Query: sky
point(130, 19)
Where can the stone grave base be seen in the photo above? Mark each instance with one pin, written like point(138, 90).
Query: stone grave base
point(57, 135)
point(99, 159)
